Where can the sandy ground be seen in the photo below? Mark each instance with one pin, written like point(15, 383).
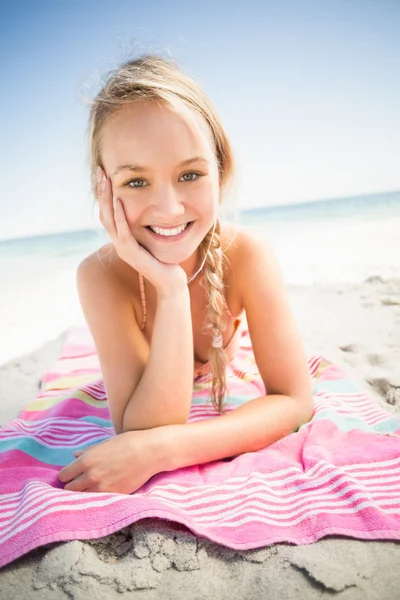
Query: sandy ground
point(356, 326)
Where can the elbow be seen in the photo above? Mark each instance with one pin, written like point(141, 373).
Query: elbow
point(307, 415)
point(306, 404)
point(137, 424)
point(303, 399)
point(118, 427)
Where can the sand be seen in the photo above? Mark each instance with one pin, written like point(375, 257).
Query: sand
point(356, 326)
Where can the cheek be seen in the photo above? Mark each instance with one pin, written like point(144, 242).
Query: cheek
point(132, 211)
point(206, 196)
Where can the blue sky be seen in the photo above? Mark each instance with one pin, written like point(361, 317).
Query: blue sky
point(308, 91)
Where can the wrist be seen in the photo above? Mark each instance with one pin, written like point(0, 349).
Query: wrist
point(175, 285)
point(177, 293)
point(165, 440)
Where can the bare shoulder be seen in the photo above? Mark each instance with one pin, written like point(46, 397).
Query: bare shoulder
point(106, 268)
point(101, 260)
point(105, 295)
point(240, 246)
point(275, 338)
point(242, 251)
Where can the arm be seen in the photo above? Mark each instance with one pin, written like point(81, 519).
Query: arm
point(281, 361)
point(248, 428)
point(138, 380)
point(107, 466)
point(165, 387)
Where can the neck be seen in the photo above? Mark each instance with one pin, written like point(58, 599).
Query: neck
point(191, 264)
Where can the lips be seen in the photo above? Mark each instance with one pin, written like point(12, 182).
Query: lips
point(169, 230)
point(170, 238)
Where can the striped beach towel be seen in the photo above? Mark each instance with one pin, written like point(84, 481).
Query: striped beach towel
point(338, 474)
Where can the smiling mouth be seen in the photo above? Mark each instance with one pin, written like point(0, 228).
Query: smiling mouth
point(172, 232)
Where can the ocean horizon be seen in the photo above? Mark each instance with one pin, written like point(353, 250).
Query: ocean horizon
point(341, 207)
point(335, 241)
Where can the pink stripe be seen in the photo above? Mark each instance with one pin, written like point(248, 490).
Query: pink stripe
point(76, 409)
point(315, 482)
point(59, 375)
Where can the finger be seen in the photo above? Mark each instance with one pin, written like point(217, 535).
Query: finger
point(74, 469)
point(105, 203)
point(79, 484)
point(80, 452)
point(95, 488)
point(99, 177)
point(139, 255)
point(125, 238)
point(122, 227)
point(100, 174)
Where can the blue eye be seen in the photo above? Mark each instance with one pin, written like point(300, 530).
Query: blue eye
point(191, 173)
point(133, 181)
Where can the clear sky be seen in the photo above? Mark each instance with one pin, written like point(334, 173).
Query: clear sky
point(308, 90)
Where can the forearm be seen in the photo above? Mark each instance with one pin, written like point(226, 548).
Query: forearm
point(252, 426)
point(164, 393)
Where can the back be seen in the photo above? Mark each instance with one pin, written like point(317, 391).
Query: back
point(122, 348)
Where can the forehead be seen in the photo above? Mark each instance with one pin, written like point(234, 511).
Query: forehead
point(156, 130)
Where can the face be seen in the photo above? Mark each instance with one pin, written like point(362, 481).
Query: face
point(148, 153)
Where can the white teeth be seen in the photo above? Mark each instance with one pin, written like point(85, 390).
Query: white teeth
point(169, 232)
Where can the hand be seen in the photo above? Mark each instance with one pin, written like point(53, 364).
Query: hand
point(164, 277)
point(121, 464)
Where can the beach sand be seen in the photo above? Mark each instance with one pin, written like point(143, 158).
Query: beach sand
point(355, 325)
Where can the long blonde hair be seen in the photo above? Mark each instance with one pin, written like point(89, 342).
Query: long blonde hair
point(152, 77)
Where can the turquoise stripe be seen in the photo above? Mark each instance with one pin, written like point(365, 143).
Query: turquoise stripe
point(338, 386)
point(89, 419)
point(52, 456)
point(347, 422)
point(232, 399)
point(97, 421)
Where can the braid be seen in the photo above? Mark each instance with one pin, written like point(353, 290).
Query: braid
point(213, 282)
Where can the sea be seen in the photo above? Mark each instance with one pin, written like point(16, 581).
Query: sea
point(328, 242)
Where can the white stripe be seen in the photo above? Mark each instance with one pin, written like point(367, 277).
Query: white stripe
point(80, 498)
point(25, 499)
point(59, 443)
point(278, 480)
point(261, 516)
point(51, 425)
point(214, 516)
point(82, 426)
point(366, 414)
point(303, 497)
point(352, 402)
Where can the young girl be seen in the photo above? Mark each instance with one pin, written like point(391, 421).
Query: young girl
point(166, 301)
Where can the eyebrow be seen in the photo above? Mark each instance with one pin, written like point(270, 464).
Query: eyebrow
point(129, 167)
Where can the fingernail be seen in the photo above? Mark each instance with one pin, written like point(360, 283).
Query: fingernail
point(104, 183)
point(99, 174)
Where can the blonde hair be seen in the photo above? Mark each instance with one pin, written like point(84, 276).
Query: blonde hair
point(151, 77)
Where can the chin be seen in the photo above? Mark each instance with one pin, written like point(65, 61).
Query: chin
point(174, 257)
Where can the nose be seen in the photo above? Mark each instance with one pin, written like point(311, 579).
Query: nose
point(166, 205)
